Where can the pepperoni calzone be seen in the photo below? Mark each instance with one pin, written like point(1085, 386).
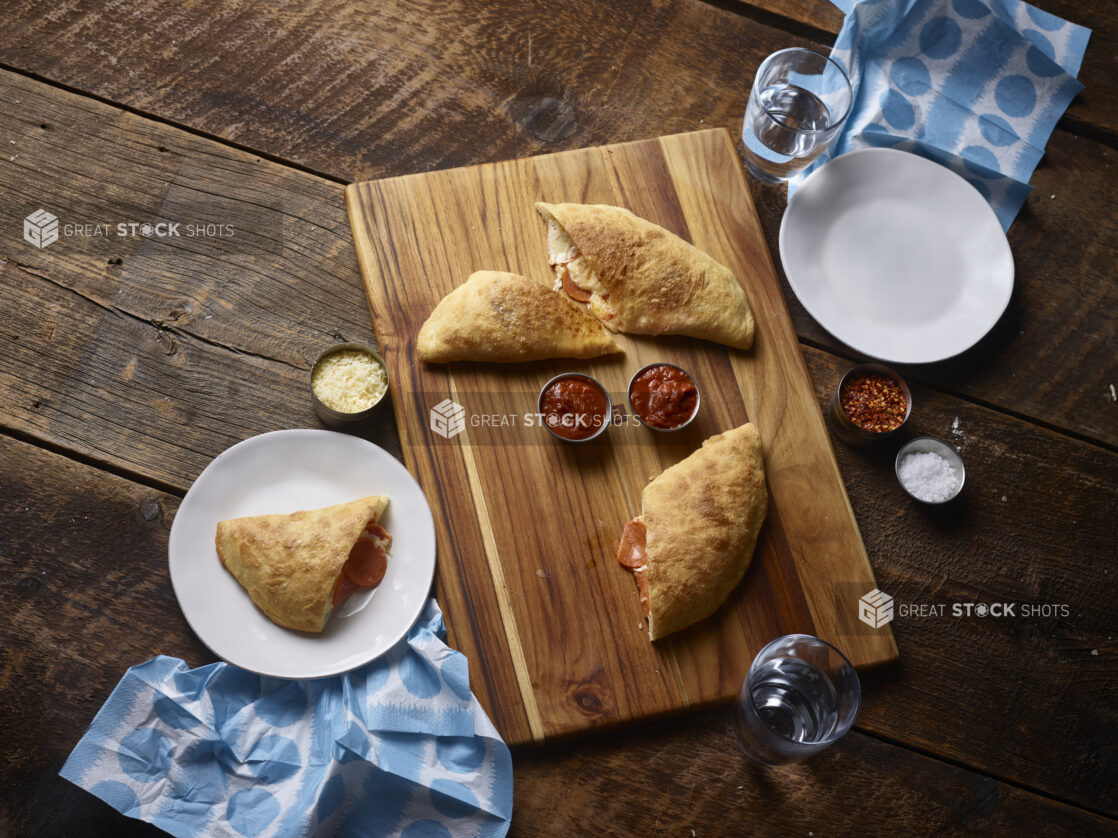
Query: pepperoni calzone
point(504, 317)
point(639, 278)
point(694, 538)
point(299, 567)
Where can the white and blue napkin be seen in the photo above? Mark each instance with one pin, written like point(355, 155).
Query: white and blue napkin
point(977, 85)
point(398, 748)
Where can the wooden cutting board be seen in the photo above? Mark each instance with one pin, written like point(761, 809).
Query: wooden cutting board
point(526, 524)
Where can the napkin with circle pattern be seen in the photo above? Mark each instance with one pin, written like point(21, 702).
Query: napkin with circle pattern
point(977, 85)
point(398, 748)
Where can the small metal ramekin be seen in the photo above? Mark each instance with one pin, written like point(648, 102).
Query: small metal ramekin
point(691, 378)
point(844, 427)
point(336, 418)
point(609, 405)
point(936, 446)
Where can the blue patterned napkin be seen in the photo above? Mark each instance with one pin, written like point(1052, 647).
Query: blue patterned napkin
point(977, 85)
point(398, 747)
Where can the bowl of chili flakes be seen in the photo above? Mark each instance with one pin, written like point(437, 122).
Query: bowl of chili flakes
point(871, 402)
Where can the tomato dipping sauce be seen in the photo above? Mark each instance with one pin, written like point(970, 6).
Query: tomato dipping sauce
point(575, 407)
point(663, 397)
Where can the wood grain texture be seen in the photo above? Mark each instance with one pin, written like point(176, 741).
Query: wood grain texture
point(685, 774)
point(70, 625)
point(356, 91)
point(303, 79)
point(575, 644)
point(360, 90)
point(154, 354)
point(1034, 527)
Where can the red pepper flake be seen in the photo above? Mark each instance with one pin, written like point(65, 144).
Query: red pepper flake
point(874, 402)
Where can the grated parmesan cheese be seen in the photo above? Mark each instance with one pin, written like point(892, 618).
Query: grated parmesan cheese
point(349, 381)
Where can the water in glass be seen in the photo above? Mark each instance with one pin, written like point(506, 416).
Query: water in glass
point(795, 699)
point(800, 695)
point(788, 130)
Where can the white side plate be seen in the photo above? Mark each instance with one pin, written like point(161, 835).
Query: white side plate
point(285, 471)
point(896, 256)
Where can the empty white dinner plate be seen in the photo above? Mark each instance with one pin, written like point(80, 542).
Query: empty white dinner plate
point(285, 471)
point(896, 256)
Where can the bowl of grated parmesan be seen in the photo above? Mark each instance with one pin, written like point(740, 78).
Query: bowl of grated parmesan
point(348, 382)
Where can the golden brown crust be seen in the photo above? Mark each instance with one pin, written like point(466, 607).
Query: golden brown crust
point(289, 564)
point(702, 517)
point(646, 280)
point(504, 317)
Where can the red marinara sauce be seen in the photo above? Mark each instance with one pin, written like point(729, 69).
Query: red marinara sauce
point(574, 407)
point(663, 396)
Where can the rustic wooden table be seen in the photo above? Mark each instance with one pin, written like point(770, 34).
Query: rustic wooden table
point(128, 363)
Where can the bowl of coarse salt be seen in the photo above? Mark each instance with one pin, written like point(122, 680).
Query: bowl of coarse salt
point(930, 470)
point(348, 382)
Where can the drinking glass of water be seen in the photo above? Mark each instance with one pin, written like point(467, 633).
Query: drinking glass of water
point(799, 102)
point(801, 695)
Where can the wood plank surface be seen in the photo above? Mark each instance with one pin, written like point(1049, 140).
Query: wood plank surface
point(357, 91)
point(1034, 526)
point(375, 77)
point(360, 90)
point(177, 346)
point(684, 774)
point(557, 589)
point(57, 629)
point(70, 341)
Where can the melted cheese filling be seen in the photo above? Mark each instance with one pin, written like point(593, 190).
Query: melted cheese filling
point(563, 255)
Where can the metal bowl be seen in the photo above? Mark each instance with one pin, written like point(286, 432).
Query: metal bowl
point(936, 446)
point(844, 426)
point(691, 378)
point(336, 418)
point(601, 389)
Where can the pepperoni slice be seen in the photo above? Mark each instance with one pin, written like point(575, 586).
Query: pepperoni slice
point(630, 551)
point(631, 554)
point(642, 589)
point(342, 589)
point(579, 295)
point(366, 563)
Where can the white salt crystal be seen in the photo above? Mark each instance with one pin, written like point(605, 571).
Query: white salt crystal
point(928, 476)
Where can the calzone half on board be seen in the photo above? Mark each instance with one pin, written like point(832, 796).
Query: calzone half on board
point(299, 567)
point(505, 317)
point(639, 278)
point(694, 538)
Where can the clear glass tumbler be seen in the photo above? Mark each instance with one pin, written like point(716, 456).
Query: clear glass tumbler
point(801, 694)
point(799, 102)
